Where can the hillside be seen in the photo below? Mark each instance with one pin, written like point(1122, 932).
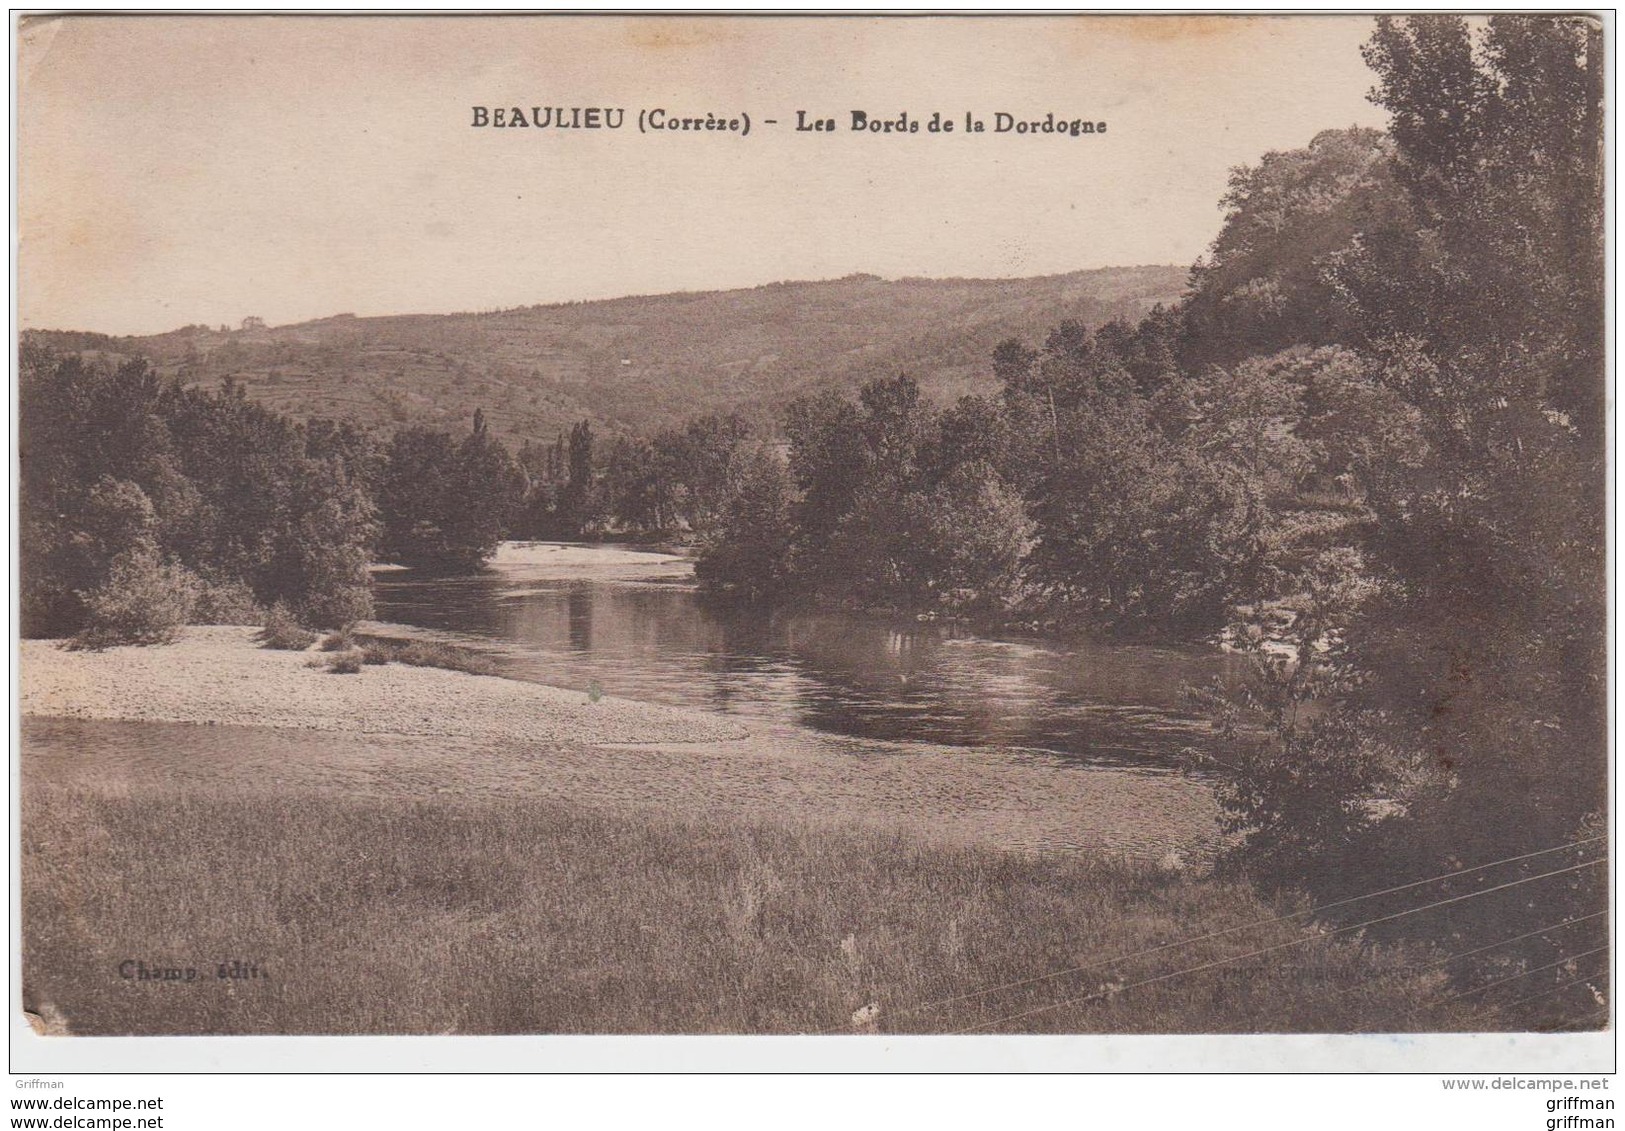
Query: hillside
point(637, 364)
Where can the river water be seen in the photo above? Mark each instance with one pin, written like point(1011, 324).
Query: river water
point(643, 632)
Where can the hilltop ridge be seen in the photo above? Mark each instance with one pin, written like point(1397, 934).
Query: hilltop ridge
point(638, 363)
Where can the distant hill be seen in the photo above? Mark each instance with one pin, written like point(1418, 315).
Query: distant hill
point(634, 365)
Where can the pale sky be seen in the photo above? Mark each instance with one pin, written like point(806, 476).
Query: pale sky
point(174, 170)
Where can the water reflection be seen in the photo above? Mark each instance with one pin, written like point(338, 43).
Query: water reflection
point(837, 673)
point(580, 604)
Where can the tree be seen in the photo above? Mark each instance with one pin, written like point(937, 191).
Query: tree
point(701, 459)
point(446, 504)
point(829, 461)
point(1249, 417)
point(1141, 536)
point(544, 469)
point(413, 497)
point(88, 435)
point(1361, 433)
point(748, 553)
point(896, 426)
point(974, 538)
point(578, 503)
point(901, 505)
point(1499, 348)
point(490, 488)
point(638, 485)
point(1149, 511)
point(1270, 280)
point(322, 558)
point(976, 430)
point(1470, 679)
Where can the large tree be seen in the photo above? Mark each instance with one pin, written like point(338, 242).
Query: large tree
point(1470, 665)
point(1270, 280)
point(446, 503)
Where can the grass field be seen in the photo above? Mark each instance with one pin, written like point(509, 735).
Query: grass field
point(377, 916)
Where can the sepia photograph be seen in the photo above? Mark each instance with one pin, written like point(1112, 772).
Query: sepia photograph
point(851, 527)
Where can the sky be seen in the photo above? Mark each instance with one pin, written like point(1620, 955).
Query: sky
point(174, 170)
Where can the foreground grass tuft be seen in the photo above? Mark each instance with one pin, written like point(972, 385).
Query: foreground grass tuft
point(452, 916)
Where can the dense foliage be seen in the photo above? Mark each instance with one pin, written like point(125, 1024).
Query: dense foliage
point(879, 503)
point(446, 503)
point(1447, 701)
point(143, 505)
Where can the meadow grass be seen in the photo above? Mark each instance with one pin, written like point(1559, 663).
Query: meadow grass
point(456, 917)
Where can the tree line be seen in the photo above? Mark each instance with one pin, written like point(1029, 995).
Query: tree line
point(145, 505)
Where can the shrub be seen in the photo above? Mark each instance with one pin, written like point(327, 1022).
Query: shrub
point(341, 641)
point(345, 663)
point(337, 604)
point(230, 601)
point(283, 631)
point(143, 600)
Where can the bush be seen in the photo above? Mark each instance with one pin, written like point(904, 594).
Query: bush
point(345, 663)
point(142, 601)
point(227, 602)
point(341, 641)
point(284, 632)
point(337, 604)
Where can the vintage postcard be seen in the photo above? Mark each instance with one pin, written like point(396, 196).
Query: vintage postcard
point(854, 528)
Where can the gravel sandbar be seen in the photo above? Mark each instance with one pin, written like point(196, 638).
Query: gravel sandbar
point(219, 675)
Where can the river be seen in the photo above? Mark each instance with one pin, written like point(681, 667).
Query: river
point(632, 625)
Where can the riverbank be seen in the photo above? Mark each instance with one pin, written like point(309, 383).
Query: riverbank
point(261, 720)
point(564, 561)
point(218, 675)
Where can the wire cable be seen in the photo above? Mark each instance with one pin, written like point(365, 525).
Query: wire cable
point(1034, 980)
point(1579, 980)
point(1278, 946)
point(1511, 978)
point(1449, 958)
